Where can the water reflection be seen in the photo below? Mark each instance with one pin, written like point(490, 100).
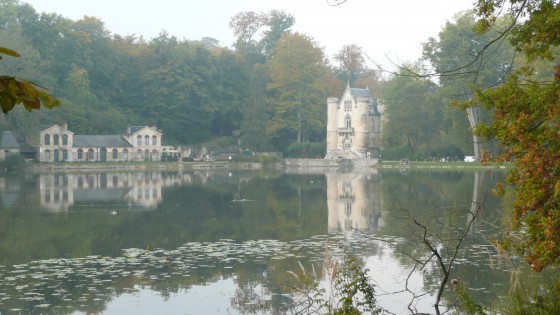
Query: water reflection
point(58, 192)
point(354, 202)
point(235, 234)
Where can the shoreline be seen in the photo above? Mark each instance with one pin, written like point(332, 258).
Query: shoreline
point(282, 164)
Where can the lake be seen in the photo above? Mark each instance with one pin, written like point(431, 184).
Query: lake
point(225, 242)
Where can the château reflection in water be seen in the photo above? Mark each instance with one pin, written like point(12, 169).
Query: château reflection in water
point(354, 201)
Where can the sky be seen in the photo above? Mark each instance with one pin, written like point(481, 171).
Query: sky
point(389, 31)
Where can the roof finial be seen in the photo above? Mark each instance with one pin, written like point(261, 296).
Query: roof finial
point(348, 85)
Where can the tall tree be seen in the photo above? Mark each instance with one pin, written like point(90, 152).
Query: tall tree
point(278, 23)
point(246, 26)
point(351, 63)
point(413, 113)
point(298, 72)
point(255, 113)
point(456, 51)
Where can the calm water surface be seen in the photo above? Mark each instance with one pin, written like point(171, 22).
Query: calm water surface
point(222, 242)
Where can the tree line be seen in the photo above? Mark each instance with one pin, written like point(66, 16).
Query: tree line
point(269, 88)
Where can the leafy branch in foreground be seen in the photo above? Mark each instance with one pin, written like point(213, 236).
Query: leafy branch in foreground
point(526, 121)
point(348, 288)
point(15, 91)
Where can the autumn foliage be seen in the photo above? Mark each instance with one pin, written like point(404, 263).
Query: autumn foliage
point(526, 121)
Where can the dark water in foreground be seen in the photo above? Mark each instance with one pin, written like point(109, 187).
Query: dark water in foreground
point(223, 242)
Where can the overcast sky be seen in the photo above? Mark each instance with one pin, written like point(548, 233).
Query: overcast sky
point(394, 28)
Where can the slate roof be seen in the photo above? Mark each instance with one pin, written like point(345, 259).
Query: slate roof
point(360, 92)
point(8, 141)
point(100, 141)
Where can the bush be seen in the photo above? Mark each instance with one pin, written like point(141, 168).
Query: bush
point(13, 162)
point(268, 159)
point(306, 150)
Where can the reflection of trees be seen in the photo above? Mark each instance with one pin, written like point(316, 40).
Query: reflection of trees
point(424, 211)
point(200, 211)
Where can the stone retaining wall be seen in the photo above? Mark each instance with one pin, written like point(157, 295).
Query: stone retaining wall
point(322, 163)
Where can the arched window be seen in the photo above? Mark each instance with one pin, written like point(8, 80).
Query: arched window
point(80, 154)
point(125, 154)
point(139, 154)
point(146, 140)
point(139, 140)
point(48, 155)
point(56, 139)
point(47, 139)
point(64, 155)
point(115, 154)
point(154, 140)
point(90, 155)
point(64, 139)
point(348, 121)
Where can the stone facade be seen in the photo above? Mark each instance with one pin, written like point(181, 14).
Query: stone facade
point(353, 125)
point(140, 143)
point(8, 145)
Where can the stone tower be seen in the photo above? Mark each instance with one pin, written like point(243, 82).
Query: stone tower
point(353, 125)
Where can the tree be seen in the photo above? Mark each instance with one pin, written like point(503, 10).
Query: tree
point(453, 52)
point(414, 115)
point(525, 120)
point(298, 72)
point(15, 91)
point(255, 112)
point(278, 23)
point(351, 63)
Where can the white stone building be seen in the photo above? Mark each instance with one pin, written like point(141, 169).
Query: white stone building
point(353, 125)
point(140, 143)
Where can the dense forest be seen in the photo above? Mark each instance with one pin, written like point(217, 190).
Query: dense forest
point(269, 90)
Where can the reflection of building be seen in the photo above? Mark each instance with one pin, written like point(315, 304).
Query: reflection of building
point(140, 143)
point(353, 125)
point(354, 202)
point(60, 191)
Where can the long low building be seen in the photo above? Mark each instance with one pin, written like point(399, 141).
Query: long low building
point(139, 143)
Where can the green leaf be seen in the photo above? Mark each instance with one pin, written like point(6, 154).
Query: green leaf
point(8, 52)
